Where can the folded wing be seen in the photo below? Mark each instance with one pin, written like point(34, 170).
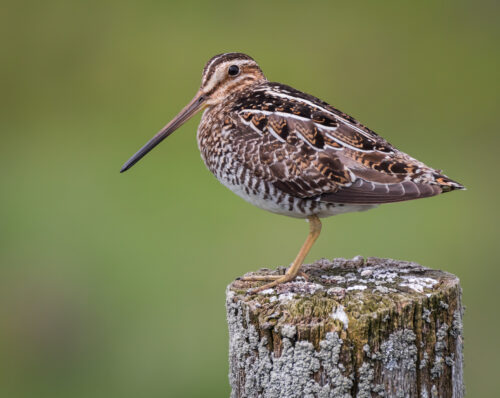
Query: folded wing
point(309, 149)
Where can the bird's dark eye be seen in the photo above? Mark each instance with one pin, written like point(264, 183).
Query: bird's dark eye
point(233, 70)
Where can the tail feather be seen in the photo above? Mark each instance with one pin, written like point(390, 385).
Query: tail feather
point(446, 183)
point(367, 192)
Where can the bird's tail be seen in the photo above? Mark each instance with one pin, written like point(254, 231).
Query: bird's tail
point(446, 183)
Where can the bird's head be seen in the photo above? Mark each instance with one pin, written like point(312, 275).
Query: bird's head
point(222, 76)
point(227, 73)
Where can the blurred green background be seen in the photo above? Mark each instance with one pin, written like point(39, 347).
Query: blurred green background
point(113, 285)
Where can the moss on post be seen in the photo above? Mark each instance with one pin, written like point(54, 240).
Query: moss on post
point(357, 328)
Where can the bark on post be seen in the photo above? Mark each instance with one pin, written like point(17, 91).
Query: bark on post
point(357, 328)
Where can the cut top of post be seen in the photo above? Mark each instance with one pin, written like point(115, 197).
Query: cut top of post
point(340, 293)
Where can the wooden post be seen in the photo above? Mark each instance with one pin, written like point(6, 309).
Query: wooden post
point(357, 328)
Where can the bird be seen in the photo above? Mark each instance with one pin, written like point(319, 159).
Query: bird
point(293, 154)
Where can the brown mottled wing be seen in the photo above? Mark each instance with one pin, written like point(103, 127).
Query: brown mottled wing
point(270, 148)
point(309, 149)
point(289, 166)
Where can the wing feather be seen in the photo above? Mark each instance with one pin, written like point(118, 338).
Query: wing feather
point(312, 150)
point(366, 192)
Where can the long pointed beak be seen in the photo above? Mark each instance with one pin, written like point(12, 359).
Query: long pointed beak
point(189, 110)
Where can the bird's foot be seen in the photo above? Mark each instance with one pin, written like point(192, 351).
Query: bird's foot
point(255, 278)
point(282, 279)
point(276, 280)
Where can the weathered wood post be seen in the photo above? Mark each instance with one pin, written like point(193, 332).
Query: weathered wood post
point(357, 328)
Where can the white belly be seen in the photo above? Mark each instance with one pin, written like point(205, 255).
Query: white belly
point(288, 206)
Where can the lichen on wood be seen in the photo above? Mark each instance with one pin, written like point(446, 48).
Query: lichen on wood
point(356, 328)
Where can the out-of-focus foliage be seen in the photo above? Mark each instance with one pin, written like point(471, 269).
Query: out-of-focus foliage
point(113, 285)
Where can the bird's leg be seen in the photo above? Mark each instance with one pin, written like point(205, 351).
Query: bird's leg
point(293, 271)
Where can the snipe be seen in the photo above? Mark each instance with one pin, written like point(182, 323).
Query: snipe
point(290, 153)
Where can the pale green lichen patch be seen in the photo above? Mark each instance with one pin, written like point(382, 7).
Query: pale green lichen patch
point(356, 328)
point(440, 350)
point(399, 351)
point(365, 375)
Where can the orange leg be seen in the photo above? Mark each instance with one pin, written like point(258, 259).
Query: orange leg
point(294, 270)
